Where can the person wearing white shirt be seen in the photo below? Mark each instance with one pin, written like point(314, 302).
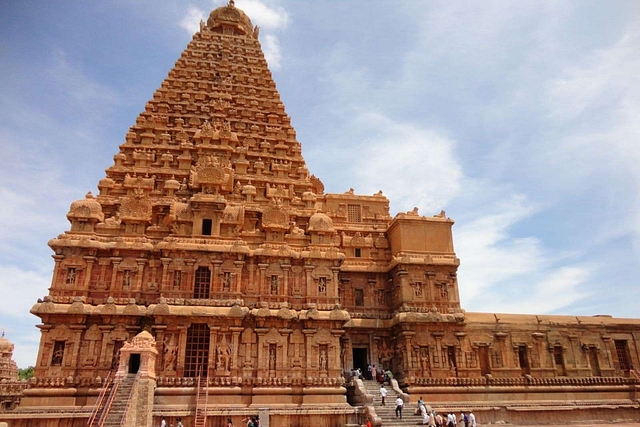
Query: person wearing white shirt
point(383, 393)
point(472, 419)
point(399, 404)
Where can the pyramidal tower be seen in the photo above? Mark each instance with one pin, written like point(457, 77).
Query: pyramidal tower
point(211, 276)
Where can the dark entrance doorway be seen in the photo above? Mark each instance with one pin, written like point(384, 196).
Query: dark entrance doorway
point(134, 363)
point(360, 359)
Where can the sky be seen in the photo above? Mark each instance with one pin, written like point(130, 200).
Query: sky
point(521, 119)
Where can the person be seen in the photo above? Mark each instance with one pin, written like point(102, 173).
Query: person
point(464, 420)
point(425, 416)
point(439, 420)
point(369, 423)
point(369, 371)
point(472, 419)
point(383, 393)
point(399, 404)
point(179, 422)
point(374, 373)
point(451, 420)
point(420, 406)
point(163, 423)
point(229, 422)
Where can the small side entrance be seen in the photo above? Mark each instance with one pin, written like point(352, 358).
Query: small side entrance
point(360, 360)
point(483, 353)
point(134, 363)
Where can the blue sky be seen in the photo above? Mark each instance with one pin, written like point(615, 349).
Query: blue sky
point(520, 119)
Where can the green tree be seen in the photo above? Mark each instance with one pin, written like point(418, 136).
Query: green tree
point(26, 373)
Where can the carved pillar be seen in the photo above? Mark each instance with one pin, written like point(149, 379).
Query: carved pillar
point(441, 363)
point(57, 259)
point(90, 260)
point(190, 267)
point(308, 339)
point(159, 332)
point(239, 266)
point(214, 277)
point(77, 340)
point(114, 272)
point(308, 280)
point(235, 339)
point(251, 284)
point(263, 356)
point(141, 263)
point(430, 292)
point(44, 330)
point(164, 283)
point(333, 293)
point(106, 330)
point(261, 286)
point(182, 348)
point(405, 290)
point(286, 268)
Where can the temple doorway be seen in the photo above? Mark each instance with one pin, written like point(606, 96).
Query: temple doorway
point(134, 363)
point(360, 360)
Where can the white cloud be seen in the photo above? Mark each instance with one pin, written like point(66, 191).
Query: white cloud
point(412, 165)
point(191, 21)
point(269, 17)
point(272, 52)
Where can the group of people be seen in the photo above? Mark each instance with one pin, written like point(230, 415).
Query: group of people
point(378, 374)
point(449, 420)
point(163, 423)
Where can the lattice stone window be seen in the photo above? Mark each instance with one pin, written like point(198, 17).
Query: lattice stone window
point(496, 359)
point(354, 213)
point(197, 351)
point(58, 353)
point(71, 276)
point(202, 283)
point(622, 351)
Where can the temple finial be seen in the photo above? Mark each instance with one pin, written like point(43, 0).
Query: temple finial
point(232, 3)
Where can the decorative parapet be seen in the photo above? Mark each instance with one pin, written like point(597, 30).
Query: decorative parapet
point(255, 382)
point(521, 381)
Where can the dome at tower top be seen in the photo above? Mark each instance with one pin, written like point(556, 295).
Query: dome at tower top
point(230, 14)
point(5, 345)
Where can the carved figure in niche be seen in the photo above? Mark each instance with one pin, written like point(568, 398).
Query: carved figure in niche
point(418, 290)
point(424, 360)
point(126, 278)
point(272, 357)
point(58, 353)
point(177, 278)
point(224, 355)
point(322, 285)
point(274, 285)
point(113, 220)
point(226, 284)
point(323, 360)
point(170, 354)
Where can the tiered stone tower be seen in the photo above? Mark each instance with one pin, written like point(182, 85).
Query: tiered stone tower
point(11, 387)
point(210, 234)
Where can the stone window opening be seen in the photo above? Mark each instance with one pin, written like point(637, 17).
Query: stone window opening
point(359, 297)
point(622, 351)
point(71, 276)
point(202, 284)
point(354, 213)
point(58, 353)
point(357, 252)
point(197, 351)
point(207, 226)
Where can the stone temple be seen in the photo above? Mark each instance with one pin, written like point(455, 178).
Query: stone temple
point(211, 276)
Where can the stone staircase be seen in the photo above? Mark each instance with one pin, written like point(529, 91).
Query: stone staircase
point(388, 412)
point(120, 402)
